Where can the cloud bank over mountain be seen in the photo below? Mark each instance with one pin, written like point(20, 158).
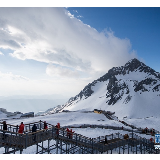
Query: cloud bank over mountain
point(54, 36)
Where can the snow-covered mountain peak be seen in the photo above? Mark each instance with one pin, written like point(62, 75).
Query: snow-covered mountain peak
point(132, 66)
point(123, 90)
point(135, 63)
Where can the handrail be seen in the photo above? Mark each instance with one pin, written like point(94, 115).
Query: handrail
point(42, 130)
point(6, 131)
point(136, 130)
point(27, 127)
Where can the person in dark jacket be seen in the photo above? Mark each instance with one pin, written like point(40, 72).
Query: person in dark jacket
point(4, 128)
point(4, 125)
point(34, 129)
point(106, 141)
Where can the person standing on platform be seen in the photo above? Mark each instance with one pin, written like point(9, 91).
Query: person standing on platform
point(34, 129)
point(21, 128)
point(4, 128)
point(45, 125)
point(106, 141)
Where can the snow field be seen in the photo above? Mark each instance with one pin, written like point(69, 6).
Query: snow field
point(69, 118)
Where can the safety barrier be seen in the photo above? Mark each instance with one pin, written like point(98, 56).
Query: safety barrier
point(12, 138)
point(27, 127)
point(138, 130)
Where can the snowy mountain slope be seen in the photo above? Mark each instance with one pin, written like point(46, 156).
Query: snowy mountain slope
point(3, 115)
point(132, 90)
point(50, 111)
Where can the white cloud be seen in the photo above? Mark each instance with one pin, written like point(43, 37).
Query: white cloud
point(1, 53)
point(70, 15)
point(18, 85)
point(53, 35)
point(79, 16)
point(11, 76)
point(75, 11)
point(53, 70)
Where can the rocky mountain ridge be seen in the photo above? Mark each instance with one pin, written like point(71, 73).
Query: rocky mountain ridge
point(121, 85)
point(114, 86)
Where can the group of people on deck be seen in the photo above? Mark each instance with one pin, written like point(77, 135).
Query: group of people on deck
point(21, 128)
point(69, 133)
point(146, 130)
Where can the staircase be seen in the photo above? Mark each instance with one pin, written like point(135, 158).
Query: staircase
point(109, 116)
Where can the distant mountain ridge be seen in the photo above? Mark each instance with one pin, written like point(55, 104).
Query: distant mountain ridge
point(120, 90)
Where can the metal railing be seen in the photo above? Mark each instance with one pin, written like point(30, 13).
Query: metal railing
point(137, 130)
point(27, 127)
point(11, 137)
point(27, 139)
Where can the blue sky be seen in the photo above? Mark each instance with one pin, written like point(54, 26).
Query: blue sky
point(141, 25)
point(60, 50)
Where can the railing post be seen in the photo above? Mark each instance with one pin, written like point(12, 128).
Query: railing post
point(144, 144)
point(141, 145)
point(136, 147)
point(76, 139)
point(92, 145)
point(63, 132)
point(119, 147)
point(52, 132)
point(111, 147)
point(29, 127)
point(123, 146)
point(26, 140)
point(128, 145)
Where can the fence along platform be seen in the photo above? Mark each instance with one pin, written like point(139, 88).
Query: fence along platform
point(12, 139)
point(19, 142)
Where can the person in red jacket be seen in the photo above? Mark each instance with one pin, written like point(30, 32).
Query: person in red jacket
point(71, 134)
point(21, 128)
point(68, 132)
point(45, 125)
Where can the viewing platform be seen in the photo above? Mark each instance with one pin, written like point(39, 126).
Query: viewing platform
point(69, 142)
point(12, 139)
